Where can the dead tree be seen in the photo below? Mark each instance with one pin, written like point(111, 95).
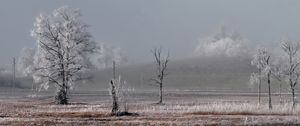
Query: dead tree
point(161, 68)
point(115, 105)
point(119, 93)
point(292, 69)
point(114, 92)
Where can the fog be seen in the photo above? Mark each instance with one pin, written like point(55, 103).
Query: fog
point(203, 37)
point(149, 62)
point(137, 26)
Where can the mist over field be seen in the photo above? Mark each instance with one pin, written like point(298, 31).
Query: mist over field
point(220, 62)
point(197, 34)
point(133, 62)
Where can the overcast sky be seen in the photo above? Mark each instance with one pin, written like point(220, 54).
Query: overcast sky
point(136, 26)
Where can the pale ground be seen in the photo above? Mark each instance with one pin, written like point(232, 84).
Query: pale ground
point(180, 108)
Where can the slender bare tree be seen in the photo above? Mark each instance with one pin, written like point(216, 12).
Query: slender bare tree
point(291, 70)
point(25, 62)
point(257, 77)
point(268, 73)
point(277, 73)
point(63, 47)
point(262, 62)
point(161, 70)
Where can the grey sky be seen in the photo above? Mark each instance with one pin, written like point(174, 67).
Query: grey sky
point(138, 25)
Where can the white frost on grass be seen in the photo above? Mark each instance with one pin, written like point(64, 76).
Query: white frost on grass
point(71, 108)
point(223, 108)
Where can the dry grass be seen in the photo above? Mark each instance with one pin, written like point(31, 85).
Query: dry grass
point(150, 114)
point(220, 109)
point(177, 111)
point(71, 115)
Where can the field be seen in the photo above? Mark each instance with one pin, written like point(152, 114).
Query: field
point(197, 92)
point(180, 108)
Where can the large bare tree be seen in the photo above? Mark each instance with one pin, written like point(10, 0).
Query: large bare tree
point(161, 64)
point(291, 70)
point(63, 47)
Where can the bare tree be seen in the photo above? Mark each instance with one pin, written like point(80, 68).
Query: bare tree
point(263, 63)
point(257, 77)
point(63, 47)
point(292, 69)
point(277, 73)
point(25, 62)
point(109, 54)
point(161, 70)
point(119, 94)
point(268, 73)
point(113, 92)
point(25, 66)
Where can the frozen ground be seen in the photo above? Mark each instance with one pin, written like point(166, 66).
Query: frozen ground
point(180, 108)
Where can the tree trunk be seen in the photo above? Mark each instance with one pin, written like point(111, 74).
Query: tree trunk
point(259, 87)
point(115, 107)
point(61, 97)
point(259, 90)
point(160, 94)
point(293, 98)
point(269, 86)
point(280, 97)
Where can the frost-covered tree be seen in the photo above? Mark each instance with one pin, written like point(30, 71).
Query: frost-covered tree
point(262, 61)
point(267, 72)
point(108, 54)
point(114, 94)
point(291, 71)
point(119, 92)
point(257, 77)
point(278, 74)
point(63, 46)
point(223, 43)
point(25, 62)
point(161, 63)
